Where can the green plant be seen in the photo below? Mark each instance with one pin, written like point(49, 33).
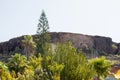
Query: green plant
point(28, 74)
point(42, 33)
point(17, 63)
point(35, 62)
point(76, 66)
point(56, 68)
point(4, 72)
point(29, 45)
point(101, 66)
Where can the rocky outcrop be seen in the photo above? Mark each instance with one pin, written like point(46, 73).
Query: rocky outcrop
point(103, 44)
point(80, 41)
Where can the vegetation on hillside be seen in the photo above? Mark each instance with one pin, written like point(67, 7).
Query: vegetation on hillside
point(64, 63)
point(41, 61)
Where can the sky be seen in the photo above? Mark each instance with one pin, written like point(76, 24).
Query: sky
point(91, 17)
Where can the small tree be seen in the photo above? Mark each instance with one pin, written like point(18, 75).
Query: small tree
point(42, 32)
point(29, 45)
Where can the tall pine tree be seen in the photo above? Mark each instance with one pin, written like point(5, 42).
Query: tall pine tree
point(42, 32)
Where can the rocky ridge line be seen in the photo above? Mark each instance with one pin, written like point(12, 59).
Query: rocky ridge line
point(85, 42)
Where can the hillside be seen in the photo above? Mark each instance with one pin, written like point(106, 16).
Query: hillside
point(92, 46)
point(88, 44)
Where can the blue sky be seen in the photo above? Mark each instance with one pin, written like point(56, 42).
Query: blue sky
point(92, 17)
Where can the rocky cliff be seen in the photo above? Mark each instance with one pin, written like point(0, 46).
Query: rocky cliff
point(87, 43)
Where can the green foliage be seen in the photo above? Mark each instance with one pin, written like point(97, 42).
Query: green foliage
point(48, 50)
point(56, 68)
point(35, 62)
point(75, 64)
point(63, 63)
point(27, 75)
point(101, 66)
point(4, 73)
point(29, 45)
point(43, 25)
point(47, 60)
point(42, 32)
point(39, 74)
point(2, 65)
point(84, 72)
point(17, 63)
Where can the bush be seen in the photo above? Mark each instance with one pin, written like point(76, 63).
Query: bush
point(101, 66)
point(75, 64)
point(4, 72)
point(17, 63)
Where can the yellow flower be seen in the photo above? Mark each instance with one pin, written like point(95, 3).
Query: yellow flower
point(117, 75)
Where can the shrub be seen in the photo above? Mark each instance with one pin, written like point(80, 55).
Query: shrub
point(101, 66)
point(4, 72)
point(17, 63)
point(76, 66)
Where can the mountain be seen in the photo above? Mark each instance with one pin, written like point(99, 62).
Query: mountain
point(88, 44)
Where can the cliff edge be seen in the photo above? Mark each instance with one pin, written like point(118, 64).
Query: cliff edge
point(87, 43)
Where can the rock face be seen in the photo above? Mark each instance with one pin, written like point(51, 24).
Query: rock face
point(103, 44)
point(85, 42)
point(11, 45)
